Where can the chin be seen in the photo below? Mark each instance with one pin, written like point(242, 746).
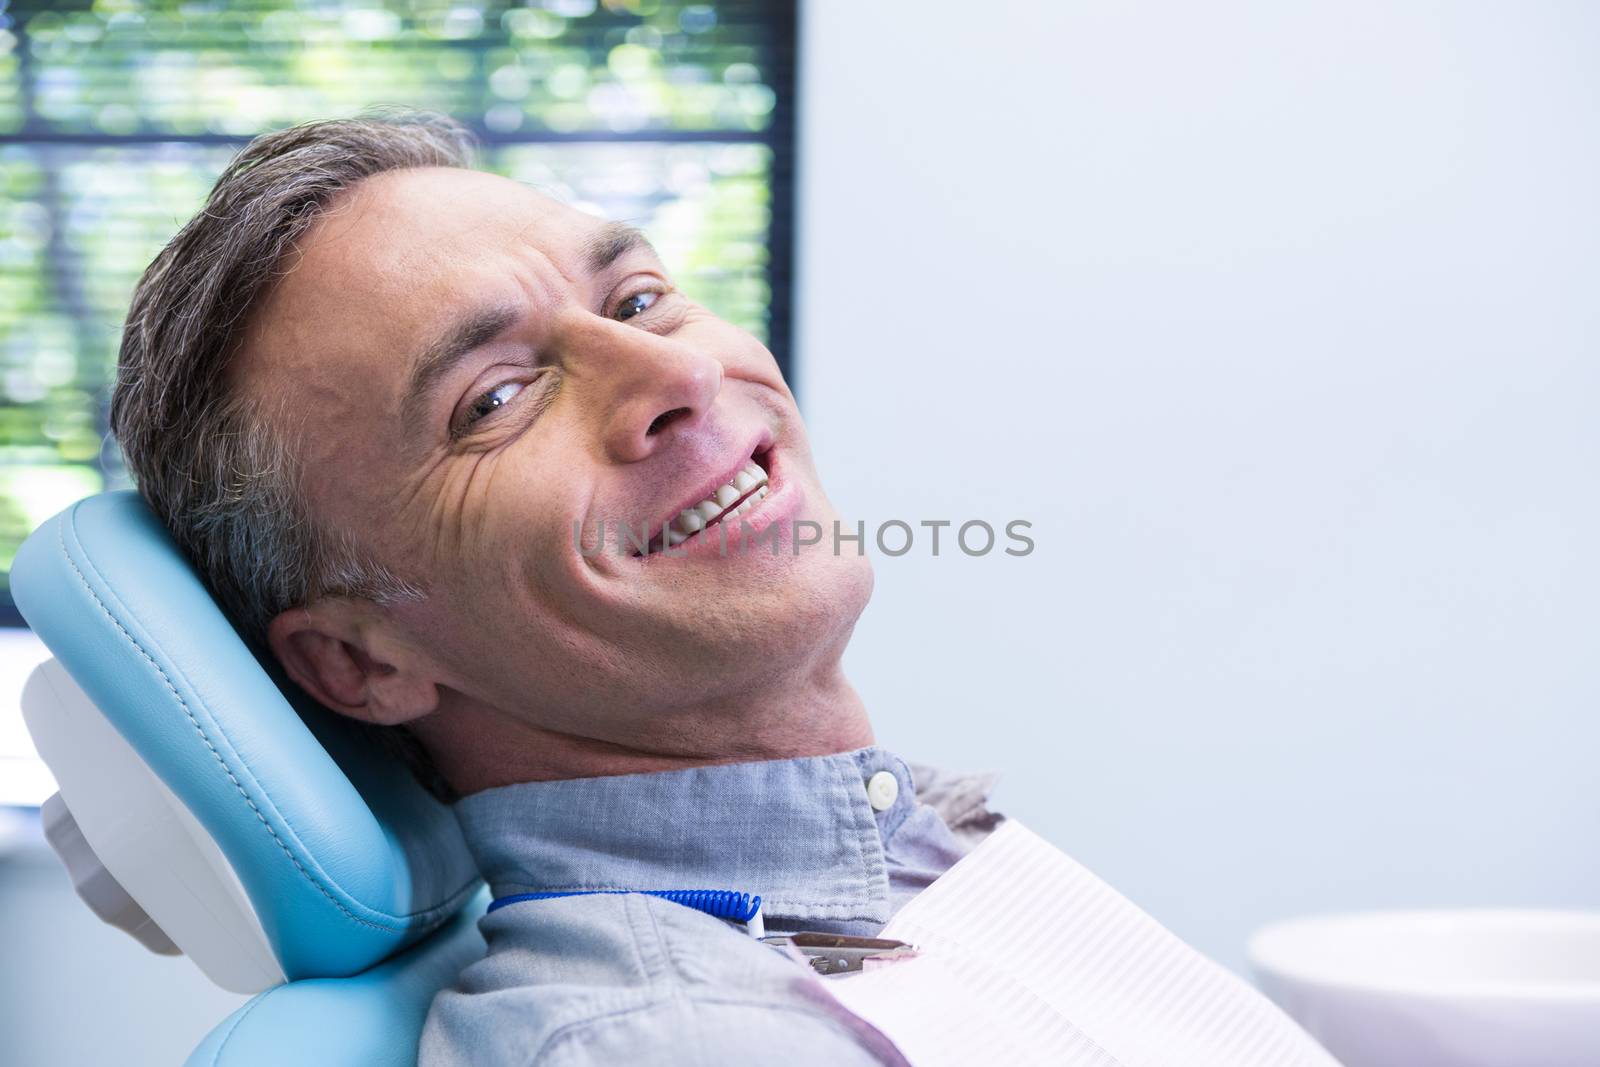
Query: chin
point(768, 628)
point(819, 607)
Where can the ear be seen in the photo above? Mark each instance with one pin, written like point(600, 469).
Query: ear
point(341, 652)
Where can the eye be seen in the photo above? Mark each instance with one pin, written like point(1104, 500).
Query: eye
point(636, 305)
point(486, 404)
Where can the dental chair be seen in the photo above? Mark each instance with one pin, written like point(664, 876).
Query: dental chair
point(209, 807)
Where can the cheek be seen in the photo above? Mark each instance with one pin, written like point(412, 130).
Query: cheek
point(502, 590)
point(735, 348)
point(517, 524)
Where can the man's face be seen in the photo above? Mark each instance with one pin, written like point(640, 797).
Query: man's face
point(471, 369)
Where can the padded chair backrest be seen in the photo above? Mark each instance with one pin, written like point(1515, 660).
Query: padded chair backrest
point(343, 856)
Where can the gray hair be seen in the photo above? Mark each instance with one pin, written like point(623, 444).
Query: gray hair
point(209, 460)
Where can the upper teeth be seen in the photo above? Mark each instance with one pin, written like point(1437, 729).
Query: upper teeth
point(746, 489)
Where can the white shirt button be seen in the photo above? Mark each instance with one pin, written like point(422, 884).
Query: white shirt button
point(882, 788)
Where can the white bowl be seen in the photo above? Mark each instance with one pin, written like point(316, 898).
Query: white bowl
point(1485, 988)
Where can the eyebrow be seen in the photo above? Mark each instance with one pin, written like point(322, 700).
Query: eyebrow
point(609, 243)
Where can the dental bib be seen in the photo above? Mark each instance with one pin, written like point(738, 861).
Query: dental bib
point(1024, 956)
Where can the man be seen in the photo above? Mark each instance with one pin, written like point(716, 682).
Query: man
point(375, 394)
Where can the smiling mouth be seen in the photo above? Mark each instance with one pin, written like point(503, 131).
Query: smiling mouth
point(728, 503)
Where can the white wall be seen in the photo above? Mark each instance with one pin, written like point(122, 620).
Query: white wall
point(1279, 322)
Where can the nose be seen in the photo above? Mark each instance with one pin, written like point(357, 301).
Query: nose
point(645, 389)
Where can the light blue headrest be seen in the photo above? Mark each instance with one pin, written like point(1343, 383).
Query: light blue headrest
point(345, 858)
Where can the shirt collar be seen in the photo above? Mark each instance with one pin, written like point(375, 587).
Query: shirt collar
point(802, 833)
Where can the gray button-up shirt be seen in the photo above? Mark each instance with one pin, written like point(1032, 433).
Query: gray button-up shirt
point(630, 978)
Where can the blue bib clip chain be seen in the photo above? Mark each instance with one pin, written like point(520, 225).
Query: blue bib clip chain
point(718, 903)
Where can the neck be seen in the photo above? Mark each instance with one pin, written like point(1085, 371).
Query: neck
point(477, 747)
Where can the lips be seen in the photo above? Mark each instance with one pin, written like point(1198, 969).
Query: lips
point(741, 493)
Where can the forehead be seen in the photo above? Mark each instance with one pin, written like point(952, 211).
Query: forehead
point(395, 228)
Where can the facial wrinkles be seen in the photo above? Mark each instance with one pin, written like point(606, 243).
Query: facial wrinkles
point(435, 526)
point(445, 476)
point(479, 579)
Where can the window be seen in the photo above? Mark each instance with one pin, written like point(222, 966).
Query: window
point(116, 116)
